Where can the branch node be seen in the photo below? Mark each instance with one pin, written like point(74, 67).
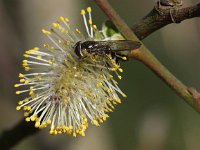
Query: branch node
point(196, 96)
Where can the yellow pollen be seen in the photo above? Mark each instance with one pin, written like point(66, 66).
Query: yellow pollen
point(16, 85)
point(70, 127)
point(18, 92)
point(31, 93)
point(25, 61)
point(105, 117)
point(24, 64)
point(59, 41)
point(21, 75)
point(67, 20)
point(26, 55)
point(124, 95)
point(33, 118)
point(50, 62)
point(90, 22)
point(116, 65)
point(26, 100)
point(89, 9)
point(26, 114)
point(28, 108)
point(113, 69)
point(55, 132)
point(27, 68)
point(52, 127)
point(119, 101)
point(36, 48)
point(28, 52)
point(39, 56)
point(25, 108)
point(48, 121)
point(28, 119)
point(62, 18)
point(94, 26)
point(51, 132)
point(82, 12)
point(46, 32)
point(99, 84)
point(95, 122)
point(124, 58)
point(45, 45)
point(42, 126)
point(20, 102)
point(22, 80)
point(82, 133)
point(77, 30)
point(120, 70)
point(55, 24)
point(109, 91)
point(26, 82)
point(37, 124)
point(120, 77)
point(18, 108)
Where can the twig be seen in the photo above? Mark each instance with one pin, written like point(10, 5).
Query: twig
point(160, 17)
point(10, 138)
point(146, 57)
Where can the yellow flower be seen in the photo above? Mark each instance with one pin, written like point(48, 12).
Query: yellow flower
point(63, 91)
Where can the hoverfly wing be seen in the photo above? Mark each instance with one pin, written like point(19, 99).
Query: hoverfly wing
point(123, 45)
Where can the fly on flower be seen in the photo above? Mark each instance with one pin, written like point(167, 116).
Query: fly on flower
point(105, 47)
point(63, 92)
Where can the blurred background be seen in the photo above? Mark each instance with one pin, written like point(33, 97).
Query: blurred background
point(153, 117)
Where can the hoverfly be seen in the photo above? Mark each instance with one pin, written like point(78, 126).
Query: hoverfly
point(105, 47)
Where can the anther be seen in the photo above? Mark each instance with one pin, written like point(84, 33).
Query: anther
point(82, 12)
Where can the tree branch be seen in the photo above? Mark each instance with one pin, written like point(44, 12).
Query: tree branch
point(189, 95)
point(10, 138)
point(160, 17)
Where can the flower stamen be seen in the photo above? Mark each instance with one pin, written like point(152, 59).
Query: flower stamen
point(66, 92)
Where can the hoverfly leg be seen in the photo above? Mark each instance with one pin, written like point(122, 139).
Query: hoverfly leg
point(81, 58)
point(119, 57)
point(109, 58)
point(103, 54)
point(114, 56)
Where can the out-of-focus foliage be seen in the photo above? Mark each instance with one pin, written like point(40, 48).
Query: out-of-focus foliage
point(153, 117)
